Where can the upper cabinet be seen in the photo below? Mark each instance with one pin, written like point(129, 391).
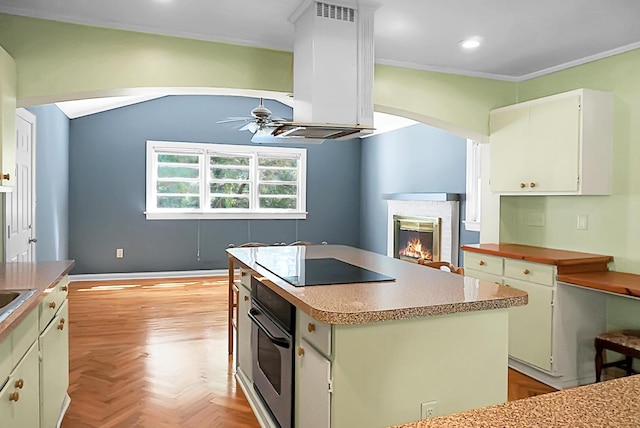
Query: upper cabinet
point(8, 84)
point(556, 145)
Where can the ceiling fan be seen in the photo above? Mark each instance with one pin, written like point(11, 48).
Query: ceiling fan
point(259, 120)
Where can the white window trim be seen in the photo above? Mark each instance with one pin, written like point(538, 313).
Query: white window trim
point(194, 214)
point(473, 197)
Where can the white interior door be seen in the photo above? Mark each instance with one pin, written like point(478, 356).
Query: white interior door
point(20, 204)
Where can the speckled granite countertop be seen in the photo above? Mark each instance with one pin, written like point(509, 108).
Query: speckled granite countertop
point(24, 276)
point(417, 291)
point(614, 403)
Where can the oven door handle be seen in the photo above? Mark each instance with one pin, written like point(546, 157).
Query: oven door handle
point(278, 341)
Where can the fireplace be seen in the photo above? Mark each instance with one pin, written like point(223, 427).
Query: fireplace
point(416, 237)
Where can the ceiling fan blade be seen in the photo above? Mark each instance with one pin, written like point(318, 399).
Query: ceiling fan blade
point(235, 119)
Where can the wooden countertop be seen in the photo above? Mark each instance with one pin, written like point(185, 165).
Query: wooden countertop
point(627, 284)
point(567, 261)
point(614, 403)
point(25, 276)
point(417, 291)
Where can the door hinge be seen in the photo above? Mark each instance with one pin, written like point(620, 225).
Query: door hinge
point(8, 231)
point(550, 359)
point(330, 389)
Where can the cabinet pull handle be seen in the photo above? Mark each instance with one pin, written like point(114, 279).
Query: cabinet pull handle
point(52, 305)
point(526, 271)
point(522, 185)
point(481, 263)
point(64, 288)
point(532, 184)
point(246, 298)
point(20, 383)
point(300, 351)
point(311, 327)
point(14, 396)
point(6, 176)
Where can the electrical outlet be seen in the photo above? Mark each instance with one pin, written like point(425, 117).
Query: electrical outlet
point(427, 410)
point(119, 253)
point(534, 219)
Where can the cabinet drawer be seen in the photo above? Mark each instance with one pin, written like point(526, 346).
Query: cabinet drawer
point(317, 333)
point(527, 271)
point(483, 263)
point(484, 276)
point(53, 300)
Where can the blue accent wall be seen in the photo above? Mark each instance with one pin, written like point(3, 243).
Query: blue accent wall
point(52, 183)
point(107, 167)
point(418, 158)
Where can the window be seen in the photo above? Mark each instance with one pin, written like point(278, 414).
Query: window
point(474, 188)
point(194, 180)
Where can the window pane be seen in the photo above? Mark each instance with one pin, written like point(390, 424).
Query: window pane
point(178, 202)
point(182, 187)
point(229, 174)
point(230, 188)
point(166, 171)
point(279, 162)
point(219, 202)
point(278, 189)
point(229, 160)
point(281, 203)
point(178, 158)
point(278, 175)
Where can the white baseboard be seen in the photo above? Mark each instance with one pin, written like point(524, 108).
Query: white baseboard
point(148, 275)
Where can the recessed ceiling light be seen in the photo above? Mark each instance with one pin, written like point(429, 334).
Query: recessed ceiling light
point(471, 42)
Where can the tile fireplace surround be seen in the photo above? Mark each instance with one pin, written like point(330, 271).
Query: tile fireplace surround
point(443, 205)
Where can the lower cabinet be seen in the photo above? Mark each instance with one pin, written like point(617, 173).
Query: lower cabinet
point(530, 326)
point(314, 391)
point(54, 367)
point(19, 399)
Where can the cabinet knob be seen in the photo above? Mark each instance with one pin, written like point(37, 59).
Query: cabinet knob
point(14, 396)
point(526, 271)
point(481, 263)
point(522, 185)
point(61, 325)
point(52, 305)
point(300, 351)
point(6, 176)
point(246, 298)
point(20, 383)
point(64, 288)
point(532, 184)
point(61, 320)
point(243, 273)
point(311, 327)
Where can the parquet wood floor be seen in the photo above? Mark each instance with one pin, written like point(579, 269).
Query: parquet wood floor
point(152, 353)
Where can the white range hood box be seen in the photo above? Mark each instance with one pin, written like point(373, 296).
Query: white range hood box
point(333, 63)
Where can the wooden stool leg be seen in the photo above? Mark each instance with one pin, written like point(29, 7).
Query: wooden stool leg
point(628, 365)
point(598, 362)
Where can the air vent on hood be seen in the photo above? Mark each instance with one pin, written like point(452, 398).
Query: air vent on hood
point(333, 11)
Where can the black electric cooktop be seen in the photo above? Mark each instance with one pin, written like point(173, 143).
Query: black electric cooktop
point(324, 272)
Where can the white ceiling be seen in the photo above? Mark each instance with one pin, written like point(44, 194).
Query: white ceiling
point(522, 39)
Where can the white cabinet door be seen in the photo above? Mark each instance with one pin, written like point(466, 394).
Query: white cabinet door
point(54, 367)
point(509, 139)
point(244, 332)
point(19, 399)
point(530, 334)
point(8, 86)
point(314, 406)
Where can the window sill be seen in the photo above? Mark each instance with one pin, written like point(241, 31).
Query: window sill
point(472, 226)
point(227, 216)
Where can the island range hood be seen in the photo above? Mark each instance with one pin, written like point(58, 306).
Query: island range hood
point(333, 62)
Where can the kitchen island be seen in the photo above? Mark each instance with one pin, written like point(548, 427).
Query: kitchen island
point(375, 354)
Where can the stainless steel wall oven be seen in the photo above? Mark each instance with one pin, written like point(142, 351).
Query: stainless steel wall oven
point(272, 342)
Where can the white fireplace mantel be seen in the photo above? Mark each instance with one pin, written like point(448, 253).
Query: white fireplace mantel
point(443, 205)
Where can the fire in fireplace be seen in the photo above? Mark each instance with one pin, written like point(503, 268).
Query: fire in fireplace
point(416, 238)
